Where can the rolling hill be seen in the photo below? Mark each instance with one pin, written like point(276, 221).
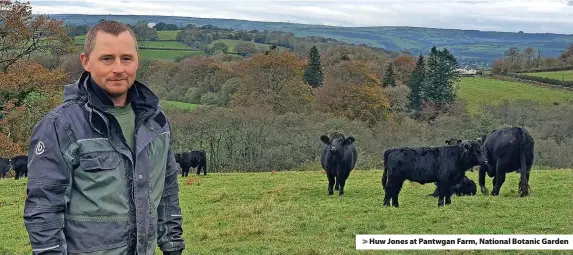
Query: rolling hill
point(478, 48)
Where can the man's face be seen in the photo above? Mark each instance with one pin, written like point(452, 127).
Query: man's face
point(113, 63)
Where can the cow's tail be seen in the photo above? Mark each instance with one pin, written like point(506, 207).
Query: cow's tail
point(524, 141)
point(385, 173)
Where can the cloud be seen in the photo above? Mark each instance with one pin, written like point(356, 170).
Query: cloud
point(507, 15)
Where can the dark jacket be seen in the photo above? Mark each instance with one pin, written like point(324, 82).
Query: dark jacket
point(88, 192)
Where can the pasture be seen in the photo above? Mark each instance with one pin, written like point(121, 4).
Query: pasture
point(291, 213)
point(566, 75)
point(478, 91)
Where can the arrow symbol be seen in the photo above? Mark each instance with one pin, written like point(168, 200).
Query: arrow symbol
point(364, 241)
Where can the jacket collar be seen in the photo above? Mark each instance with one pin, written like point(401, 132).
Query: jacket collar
point(142, 99)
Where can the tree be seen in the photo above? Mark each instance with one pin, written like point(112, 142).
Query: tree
point(352, 90)
point(220, 46)
point(313, 74)
point(145, 33)
point(21, 35)
point(389, 77)
point(246, 48)
point(28, 93)
point(415, 83)
point(403, 67)
point(273, 81)
point(440, 77)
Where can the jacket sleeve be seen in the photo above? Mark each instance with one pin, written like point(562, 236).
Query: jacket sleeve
point(170, 231)
point(48, 182)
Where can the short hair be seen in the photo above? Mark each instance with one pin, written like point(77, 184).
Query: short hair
point(106, 26)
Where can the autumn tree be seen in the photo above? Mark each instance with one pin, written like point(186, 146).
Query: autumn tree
point(389, 77)
point(28, 92)
point(273, 81)
point(313, 74)
point(352, 90)
point(403, 67)
point(415, 83)
point(22, 35)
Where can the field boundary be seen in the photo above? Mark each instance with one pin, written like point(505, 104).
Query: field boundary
point(537, 83)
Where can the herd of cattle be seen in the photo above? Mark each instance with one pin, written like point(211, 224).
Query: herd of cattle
point(502, 151)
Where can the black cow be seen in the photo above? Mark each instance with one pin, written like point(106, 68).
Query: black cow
point(445, 165)
point(507, 150)
point(4, 167)
point(191, 160)
point(338, 158)
point(467, 187)
point(20, 166)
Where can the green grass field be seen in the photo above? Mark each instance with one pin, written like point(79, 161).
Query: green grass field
point(179, 105)
point(167, 35)
point(232, 43)
point(166, 54)
point(558, 75)
point(479, 91)
point(291, 213)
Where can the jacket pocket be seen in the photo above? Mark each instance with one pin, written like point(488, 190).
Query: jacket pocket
point(100, 161)
point(97, 235)
point(99, 185)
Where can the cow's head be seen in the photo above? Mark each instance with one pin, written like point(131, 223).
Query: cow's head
point(177, 157)
point(473, 152)
point(336, 142)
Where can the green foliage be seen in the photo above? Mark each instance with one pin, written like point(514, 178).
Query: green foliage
point(440, 77)
point(246, 48)
point(210, 98)
point(389, 77)
point(220, 46)
point(231, 86)
point(415, 83)
point(313, 74)
point(143, 32)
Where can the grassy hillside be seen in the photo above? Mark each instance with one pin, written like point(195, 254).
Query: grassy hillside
point(478, 91)
point(291, 213)
point(469, 46)
point(166, 48)
point(558, 75)
point(232, 43)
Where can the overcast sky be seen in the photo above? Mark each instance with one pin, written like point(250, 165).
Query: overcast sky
point(554, 16)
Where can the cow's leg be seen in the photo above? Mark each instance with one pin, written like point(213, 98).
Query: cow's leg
point(481, 181)
point(396, 192)
point(17, 174)
point(204, 169)
point(341, 181)
point(524, 184)
point(330, 182)
point(499, 179)
point(442, 191)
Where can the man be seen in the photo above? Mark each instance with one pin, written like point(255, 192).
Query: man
point(101, 173)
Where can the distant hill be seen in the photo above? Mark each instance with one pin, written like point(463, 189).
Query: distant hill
point(478, 48)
